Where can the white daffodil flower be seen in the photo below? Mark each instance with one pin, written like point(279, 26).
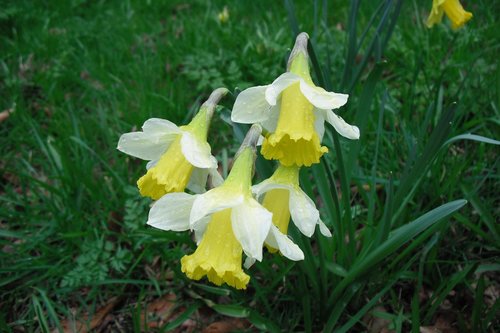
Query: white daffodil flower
point(283, 197)
point(179, 157)
point(227, 220)
point(293, 109)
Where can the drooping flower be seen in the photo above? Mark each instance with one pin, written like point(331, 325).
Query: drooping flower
point(453, 9)
point(227, 220)
point(283, 197)
point(293, 110)
point(179, 157)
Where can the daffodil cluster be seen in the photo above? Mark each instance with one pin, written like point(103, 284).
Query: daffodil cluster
point(234, 218)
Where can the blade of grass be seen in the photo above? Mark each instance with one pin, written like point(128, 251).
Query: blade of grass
point(50, 309)
point(478, 305)
point(375, 299)
point(445, 289)
point(40, 315)
point(413, 174)
point(363, 112)
point(415, 302)
point(351, 42)
point(180, 319)
point(483, 211)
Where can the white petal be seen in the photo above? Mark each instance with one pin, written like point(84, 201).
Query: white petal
point(197, 152)
point(251, 223)
point(198, 181)
point(151, 164)
point(213, 201)
point(251, 106)
point(201, 228)
point(142, 146)
point(343, 128)
point(286, 246)
point(215, 177)
point(283, 81)
point(271, 122)
point(324, 229)
point(260, 141)
point(321, 98)
point(303, 212)
point(152, 142)
point(172, 212)
point(249, 262)
point(266, 186)
point(319, 123)
point(157, 126)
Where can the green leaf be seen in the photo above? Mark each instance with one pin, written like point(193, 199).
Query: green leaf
point(473, 137)
point(336, 269)
point(261, 323)
point(396, 239)
point(363, 113)
point(445, 289)
point(405, 233)
point(213, 290)
point(182, 318)
point(230, 310)
point(478, 305)
point(482, 209)
point(415, 172)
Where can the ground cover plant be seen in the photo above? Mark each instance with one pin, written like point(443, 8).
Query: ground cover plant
point(412, 204)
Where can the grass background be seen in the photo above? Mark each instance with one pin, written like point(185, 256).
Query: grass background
point(77, 74)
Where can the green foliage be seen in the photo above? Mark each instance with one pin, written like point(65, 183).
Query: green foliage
point(97, 259)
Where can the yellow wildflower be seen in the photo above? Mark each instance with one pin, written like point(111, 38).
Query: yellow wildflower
point(453, 9)
point(293, 110)
point(224, 15)
point(179, 157)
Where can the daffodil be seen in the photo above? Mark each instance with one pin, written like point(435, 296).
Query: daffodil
point(223, 16)
point(227, 220)
point(293, 110)
point(453, 9)
point(283, 197)
point(179, 157)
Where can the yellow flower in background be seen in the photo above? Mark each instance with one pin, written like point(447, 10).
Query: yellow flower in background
point(227, 221)
point(453, 10)
point(179, 157)
point(224, 15)
point(293, 110)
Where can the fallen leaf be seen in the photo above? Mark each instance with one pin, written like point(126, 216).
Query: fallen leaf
point(429, 329)
point(5, 114)
point(376, 324)
point(158, 311)
point(226, 326)
point(443, 324)
point(491, 295)
point(83, 325)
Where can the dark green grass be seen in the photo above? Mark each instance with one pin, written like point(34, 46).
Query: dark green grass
point(78, 74)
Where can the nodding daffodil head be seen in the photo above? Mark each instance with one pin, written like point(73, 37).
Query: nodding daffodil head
point(293, 110)
point(453, 9)
point(283, 197)
point(227, 220)
point(218, 255)
point(179, 157)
